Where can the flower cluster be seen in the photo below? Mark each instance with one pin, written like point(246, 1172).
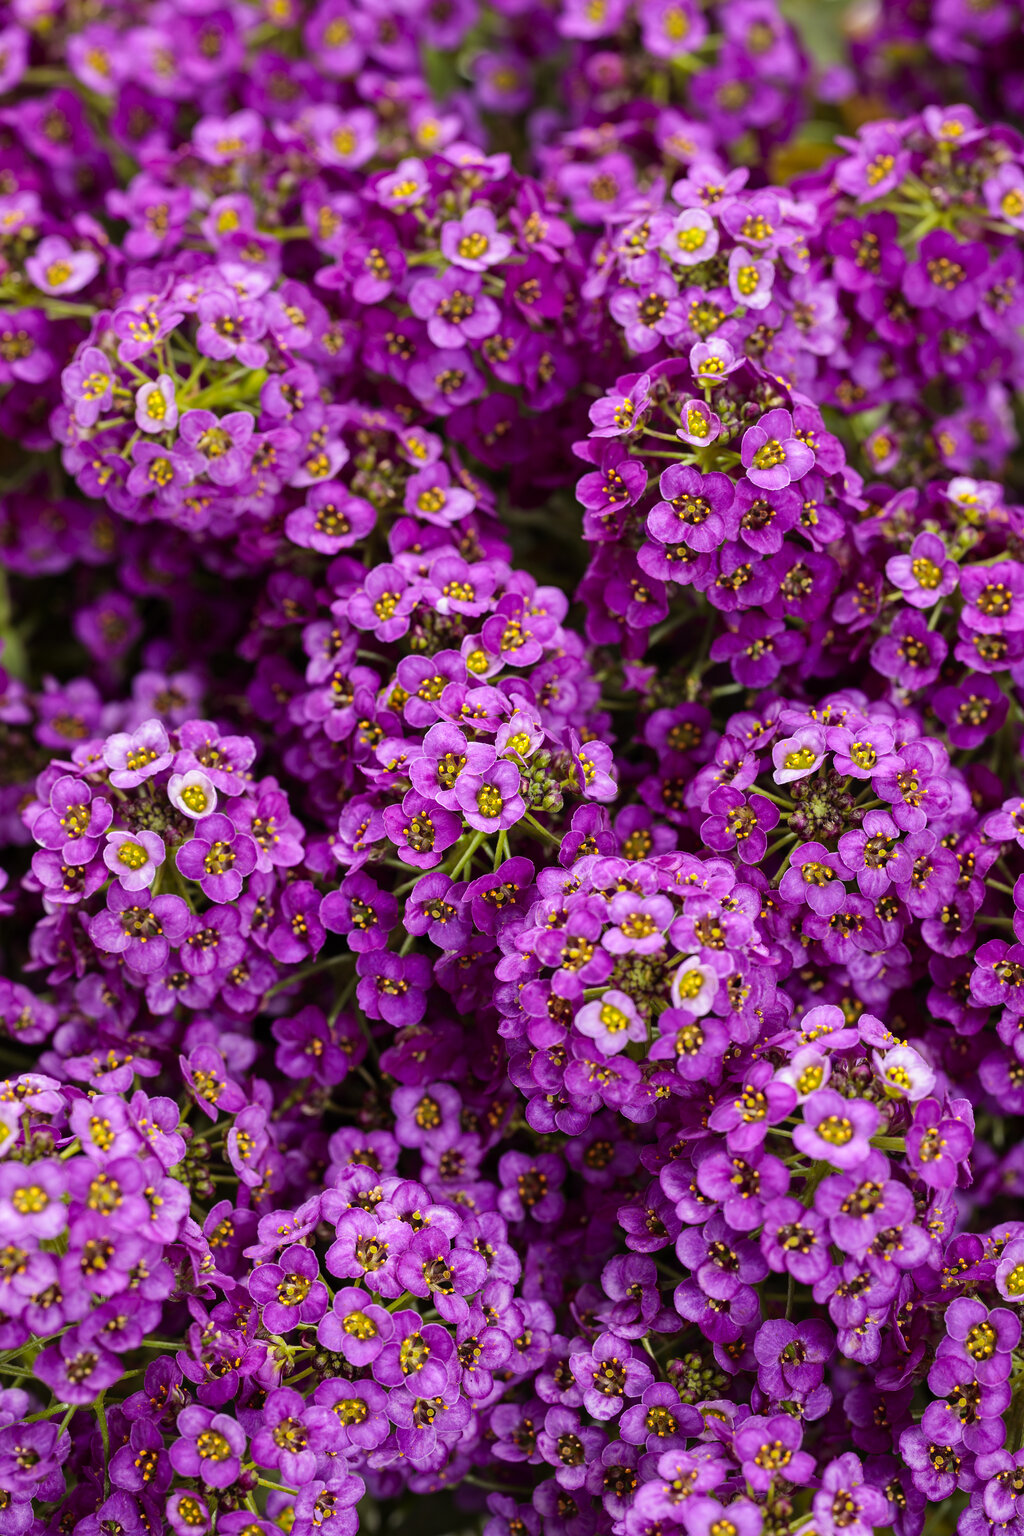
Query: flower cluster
point(922, 237)
point(975, 49)
point(511, 805)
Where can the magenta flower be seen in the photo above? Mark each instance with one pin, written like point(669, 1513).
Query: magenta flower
point(355, 1327)
point(88, 384)
point(57, 268)
point(772, 456)
point(421, 830)
point(924, 575)
point(487, 791)
point(134, 858)
point(473, 242)
point(136, 756)
point(835, 1129)
point(289, 1292)
point(74, 821)
point(210, 1447)
point(218, 856)
point(156, 408)
point(140, 928)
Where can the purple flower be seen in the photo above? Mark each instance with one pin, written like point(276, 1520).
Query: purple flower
point(815, 876)
point(926, 574)
point(355, 1327)
point(993, 598)
point(31, 1201)
point(455, 308)
point(612, 1020)
point(757, 650)
point(609, 1373)
point(697, 510)
point(971, 712)
point(946, 274)
point(134, 858)
point(74, 820)
point(473, 242)
point(938, 1144)
point(750, 283)
point(77, 1372)
point(156, 408)
point(421, 830)
point(967, 1411)
point(289, 1291)
point(487, 791)
point(299, 933)
point(137, 756)
point(218, 856)
point(210, 1447)
point(835, 1129)
point(140, 927)
point(846, 1502)
point(911, 654)
point(772, 455)
point(648, 313)
point(88, 384)
point(877, 164)
point(403, 187)
point(769, 1448)
point(220, 444)
point(530, 1185)
point(57, 268)
point(984, 1336)
point(331, 519)
point(393, 987)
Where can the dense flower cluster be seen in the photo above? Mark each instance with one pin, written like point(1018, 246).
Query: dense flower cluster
point(977, 49)
point(512, 907)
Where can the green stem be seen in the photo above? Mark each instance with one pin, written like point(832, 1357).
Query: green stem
point(542, 831)
point(315, 969)
point(475, 842)
point(101, 1414)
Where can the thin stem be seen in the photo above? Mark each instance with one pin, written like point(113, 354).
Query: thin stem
point(303, 975)
point(101, 1414)
point(542, 831)
point(476, 841)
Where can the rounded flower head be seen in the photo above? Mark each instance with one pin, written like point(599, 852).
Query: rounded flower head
point(192, 794)
point(772, 455)
point(836, 1130)
point(218, 856)
point(134, 857)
